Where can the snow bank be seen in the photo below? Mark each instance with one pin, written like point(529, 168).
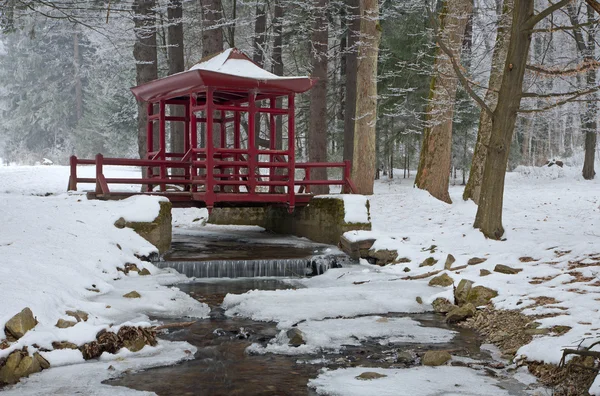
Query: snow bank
point(60, 253)
point(86, 378)
point(333, 334)
point(417, 381)
point(326, 298)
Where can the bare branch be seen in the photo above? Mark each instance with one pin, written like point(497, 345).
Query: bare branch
point(560, 94)
point(457, 69)
point(531, 22)
point(583, 67)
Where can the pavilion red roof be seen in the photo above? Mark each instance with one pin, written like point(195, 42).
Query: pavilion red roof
point(228, 71)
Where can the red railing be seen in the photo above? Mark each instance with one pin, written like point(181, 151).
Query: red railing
point(234, 170)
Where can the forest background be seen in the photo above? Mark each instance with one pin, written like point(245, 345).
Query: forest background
point(66, 68)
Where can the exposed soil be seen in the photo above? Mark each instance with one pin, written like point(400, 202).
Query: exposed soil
point(509, 330)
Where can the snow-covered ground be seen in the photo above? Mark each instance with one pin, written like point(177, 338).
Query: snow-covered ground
point(551, 216)
point(61, 252)
point(53, 248)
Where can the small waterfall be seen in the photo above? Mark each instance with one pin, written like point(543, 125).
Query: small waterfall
point(293, 268)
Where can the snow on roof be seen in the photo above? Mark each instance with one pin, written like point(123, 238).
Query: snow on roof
point(234, 62)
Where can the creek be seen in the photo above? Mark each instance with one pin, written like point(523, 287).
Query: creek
point(254, 260)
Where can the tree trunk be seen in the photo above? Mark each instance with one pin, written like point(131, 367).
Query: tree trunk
point(588, 118)
point(260, 33)
point(258, 43)
point(473, 187)
point(144, 52)
point(353, 24)
point(212, 33)
point(277, 68)
point(436, 153)
point(212, 41)
point(364, 161)
point(77, 78)
point(489, 211)
point(317, 127)
point(176, 65)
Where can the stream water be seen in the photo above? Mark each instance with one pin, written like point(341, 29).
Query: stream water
point(223, 367)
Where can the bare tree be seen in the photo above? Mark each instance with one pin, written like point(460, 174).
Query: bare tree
point(176, 64)
point(436, 153)
point(363, 159)
point(351, 60)
point(473, 186)
point(144, 52)
point(588, 118)
point(317, 127)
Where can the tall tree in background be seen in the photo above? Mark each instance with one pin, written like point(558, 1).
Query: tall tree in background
point(176, 64)
point(77, 77)
point(436, 153)
point(588, 117)
point(317, 128)
point(260, 34)
point(473, 187)
point(212, 37)
point(212, 32)
point(144, 52)
point(352, 33)
point(363, 158)
point(277, 64)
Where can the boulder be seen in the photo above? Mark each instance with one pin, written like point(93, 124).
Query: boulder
point(80, 316)
point(27, 366)
point(21, 323)
point(481, 295)
point(484, 272)
point(441, 280)
point(132, 294)
point(144, 272)
point(382, 256)
point(131, 267)
point(63, 324)
point(442, 305)
point(133, 338)
point(475, 261)
point(7, 371)
point(20, 364)
point(449, 261)
point(428, 262)
point(108, 341)
point(461, 313)
point(505, 269)
point(419, 300)
point(435, 358)
point(537, 331)
point(90, 350)
point(405, 357)
point(369, 375)
point(296, 337)
point(63, 345)
point(44, 364)
point(462, 291)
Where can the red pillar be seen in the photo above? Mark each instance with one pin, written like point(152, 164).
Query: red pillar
point(149, 140)
point(210, 185)
point(272, 142)
point(193, 138)
point(236, 145)
point(162, 142)
point(291, 153)
point(186, 141)
point(251, 142)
